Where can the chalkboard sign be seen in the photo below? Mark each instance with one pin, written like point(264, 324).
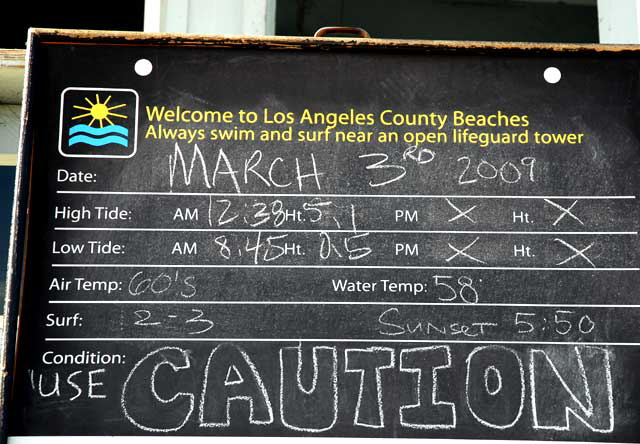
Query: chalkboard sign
point(325, 237)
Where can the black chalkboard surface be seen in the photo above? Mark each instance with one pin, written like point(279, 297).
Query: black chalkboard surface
point(325, 237)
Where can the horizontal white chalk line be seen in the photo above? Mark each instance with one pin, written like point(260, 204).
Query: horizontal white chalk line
point(383, 196)
point(416, 341)
point(341, 267)
point(155, 439)
point(385, 303)
point(360, 230)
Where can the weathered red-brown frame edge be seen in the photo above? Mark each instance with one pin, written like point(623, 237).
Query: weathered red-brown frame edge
point(125, 38)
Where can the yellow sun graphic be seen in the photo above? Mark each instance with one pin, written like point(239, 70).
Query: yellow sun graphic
point(99, 111)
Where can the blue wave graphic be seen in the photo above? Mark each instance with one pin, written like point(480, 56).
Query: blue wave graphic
point(98, 141)
point(81, 128)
